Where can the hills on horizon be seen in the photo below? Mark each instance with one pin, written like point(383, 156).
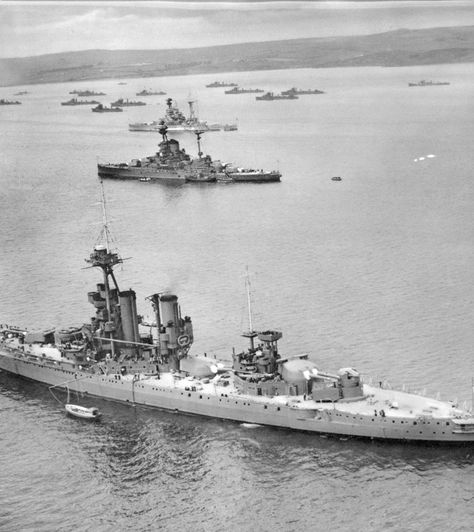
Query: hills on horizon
point(391, 49)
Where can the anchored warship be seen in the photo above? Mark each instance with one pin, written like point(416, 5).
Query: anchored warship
point(177, 122)
point(116, 356)
point(172, 164)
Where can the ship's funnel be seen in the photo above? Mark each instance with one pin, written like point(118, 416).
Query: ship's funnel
point(128, 314)
point(170, 316)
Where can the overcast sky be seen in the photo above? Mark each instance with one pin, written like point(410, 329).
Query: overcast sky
point(32, 28)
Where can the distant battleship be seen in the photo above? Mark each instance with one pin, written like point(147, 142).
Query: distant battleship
point(297, 92)
point(425, 83)
point(126, 103)
point(269, 96)
point(75, 101)
point(115, 357)
point(103, 109)
point(21, 93)
point(146, 92)
point(177, 122)
point(9, 102)
point(173, 164)
point(238, 90)
point(87, 93)
point(220, 84)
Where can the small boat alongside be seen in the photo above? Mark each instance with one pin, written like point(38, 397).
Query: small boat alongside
point(82, 412)
point(248, 175)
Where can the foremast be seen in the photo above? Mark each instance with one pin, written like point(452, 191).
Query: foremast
point(114, 330)
point(104, 258)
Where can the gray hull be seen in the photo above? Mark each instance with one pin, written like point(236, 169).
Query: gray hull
point(241, 408)
point(136, 172)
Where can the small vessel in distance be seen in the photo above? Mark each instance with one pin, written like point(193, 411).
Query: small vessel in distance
point(9, 102)
point(238, 90)
point(269, 96)
point(126, 103)
point(21, 93)
point(219, 84)
point(75, 101)
point(103, 109)
point(114, 356)
point(296, 92)
point(426, 83)
point(336, 178)
point(87, 93)
point(146, 92)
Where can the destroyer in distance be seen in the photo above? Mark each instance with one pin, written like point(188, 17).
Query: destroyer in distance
point(114, 357)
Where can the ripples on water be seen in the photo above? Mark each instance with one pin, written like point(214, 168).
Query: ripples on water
point(374, 271)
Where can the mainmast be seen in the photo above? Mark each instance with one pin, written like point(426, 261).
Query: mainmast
point(251, 334)
point(198, 134)
point(192, 116)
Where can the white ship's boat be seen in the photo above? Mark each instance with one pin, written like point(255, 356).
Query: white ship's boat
point(82, 412)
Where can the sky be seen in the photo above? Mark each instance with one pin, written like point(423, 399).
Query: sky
point(34, 28)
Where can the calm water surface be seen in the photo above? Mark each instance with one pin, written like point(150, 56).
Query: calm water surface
point(374, 272)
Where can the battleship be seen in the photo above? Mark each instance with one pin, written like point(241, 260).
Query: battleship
point(9, 102)
point(172, 164)
point(425, 83)
point(75, 101)
point(126, 103)
point(117, 356)
point(238, 90)
point(87, 93)
point(176, 121)
point(104, 109)
point(270, 96)
point(150, 92)
point(169, 164)
point(220, 84)
point(296, 92)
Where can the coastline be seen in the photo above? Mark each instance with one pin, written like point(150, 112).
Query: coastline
point(392, 49)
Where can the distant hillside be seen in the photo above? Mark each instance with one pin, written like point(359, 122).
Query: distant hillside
point(396, 48)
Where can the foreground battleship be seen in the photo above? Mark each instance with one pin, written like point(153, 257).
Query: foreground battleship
point(111, 357)
point(172, 164)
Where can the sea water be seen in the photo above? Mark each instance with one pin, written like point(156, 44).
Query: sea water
point(374, 271)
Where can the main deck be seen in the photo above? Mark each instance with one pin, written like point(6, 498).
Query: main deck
point(380, 414)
